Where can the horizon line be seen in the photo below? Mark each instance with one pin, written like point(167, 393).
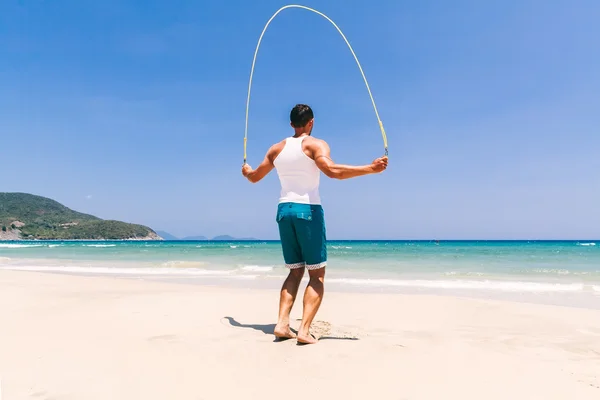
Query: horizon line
point(329, 240)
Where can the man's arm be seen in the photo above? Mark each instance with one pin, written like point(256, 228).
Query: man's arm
point(322, 156)
point(266, 166)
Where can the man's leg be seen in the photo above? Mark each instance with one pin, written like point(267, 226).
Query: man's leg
point(289, 290)
point(313, 295)
point(312, 237)
point(292, 255)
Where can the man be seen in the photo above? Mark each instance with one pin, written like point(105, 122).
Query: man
point(299, 160)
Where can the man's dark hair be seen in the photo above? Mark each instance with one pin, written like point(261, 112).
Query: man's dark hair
point(300, 116)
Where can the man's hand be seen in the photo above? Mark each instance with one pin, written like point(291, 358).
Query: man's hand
point(255, 175)
point(379, 164)
point(246, 169)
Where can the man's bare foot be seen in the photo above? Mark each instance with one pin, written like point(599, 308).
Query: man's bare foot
point(306, 338)
point(284, 332)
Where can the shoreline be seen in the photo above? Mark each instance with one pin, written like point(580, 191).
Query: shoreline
point(411, 287)
point(333, 240)
point(66, 336)
point(568, 291)
point(543, 273)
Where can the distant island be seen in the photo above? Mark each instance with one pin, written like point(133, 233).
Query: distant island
point(26, 216)
point(168, 236)
point(194, 238)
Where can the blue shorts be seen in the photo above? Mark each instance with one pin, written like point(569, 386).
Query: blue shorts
point(302, 234)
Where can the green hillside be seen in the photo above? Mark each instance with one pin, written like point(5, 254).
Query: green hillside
point(27, 216)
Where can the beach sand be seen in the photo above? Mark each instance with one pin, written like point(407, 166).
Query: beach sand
point(85, 338)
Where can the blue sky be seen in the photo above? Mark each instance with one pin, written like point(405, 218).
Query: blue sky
point(134, 110)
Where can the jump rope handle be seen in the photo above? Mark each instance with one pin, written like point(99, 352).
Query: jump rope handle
point(384, 136)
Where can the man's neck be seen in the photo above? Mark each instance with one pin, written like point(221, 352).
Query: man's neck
point(299, 133)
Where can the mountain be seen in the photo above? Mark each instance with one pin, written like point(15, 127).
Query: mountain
point(223, 237)
point(166, 235)
point(216, 238)
point(227, 238)
point(27, 216)
point(195, 238)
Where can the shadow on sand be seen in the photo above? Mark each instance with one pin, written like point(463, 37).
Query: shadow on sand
point(269, 328)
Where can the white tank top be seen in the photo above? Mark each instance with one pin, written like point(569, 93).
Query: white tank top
point(298, 174)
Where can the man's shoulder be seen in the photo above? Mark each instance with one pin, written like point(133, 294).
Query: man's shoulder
point(275, 149)
point(279, 145)
point(314, 140)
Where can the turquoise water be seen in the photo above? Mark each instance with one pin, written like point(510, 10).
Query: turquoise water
point(491, 266)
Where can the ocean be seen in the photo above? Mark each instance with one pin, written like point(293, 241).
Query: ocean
point(557, 272)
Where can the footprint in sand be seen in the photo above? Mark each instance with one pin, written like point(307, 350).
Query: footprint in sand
point(320, 329)
point(324, 330)
point(163, 338)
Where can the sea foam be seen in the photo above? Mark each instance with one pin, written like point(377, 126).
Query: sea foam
point(257, 268)
point(18, 246)
point(122, 271)
point(183, 264)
